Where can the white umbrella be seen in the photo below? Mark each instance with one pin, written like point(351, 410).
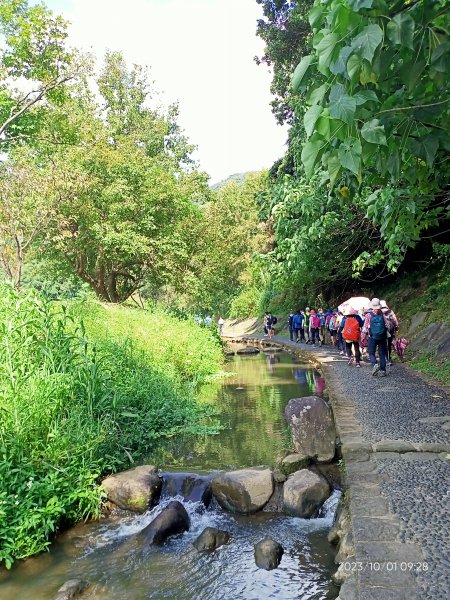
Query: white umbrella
point(358, 303)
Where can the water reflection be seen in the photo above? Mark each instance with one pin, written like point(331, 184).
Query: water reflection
point(251, 402)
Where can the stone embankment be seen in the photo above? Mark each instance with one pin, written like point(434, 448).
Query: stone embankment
point(393, 436)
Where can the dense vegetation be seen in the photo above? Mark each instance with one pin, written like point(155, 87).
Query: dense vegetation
point(78, 400)
point(363, 188)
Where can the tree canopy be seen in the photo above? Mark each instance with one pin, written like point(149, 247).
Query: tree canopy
point(369, 136)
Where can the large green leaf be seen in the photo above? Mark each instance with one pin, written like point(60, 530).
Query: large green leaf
point(393, 164)
point(342, 106)
point(440, 58)
point(349, 154)
point(425, 148)
point(357, 5)
point(373, 132)
point(310, 118)
point(339, 66)
point(400, 30)
point(334, 167)
point(411, 72)
point(300, 71)
point(364, 96)
point(325, 50)
point(315, 96)
point(354, 65)
point(367, 41)
point(315, 16)
point(323, 124)
point(311, 153)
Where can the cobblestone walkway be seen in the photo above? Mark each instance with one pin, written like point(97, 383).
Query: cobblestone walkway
point(395, 441)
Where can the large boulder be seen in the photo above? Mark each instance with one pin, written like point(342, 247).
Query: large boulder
point(172, 520)
point(245, 491)
point(136, 489)
point(73, 588)
point(312, 426)
point(268, 554)
point(304, 493)
point(210, 539)
point(294, 462)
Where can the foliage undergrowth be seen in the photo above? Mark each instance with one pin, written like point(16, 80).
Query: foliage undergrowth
point(426, 292)
point(77, 401)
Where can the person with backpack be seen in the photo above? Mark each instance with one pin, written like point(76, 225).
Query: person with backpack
point(270, 322)
point(333, 328)
point(392, 327)
point(339, 324)
point(299, 334)
point(351, 333)
point(306, 318)
point(376, 326)
point(314, 327)
point(322, 318)
point(291, 325)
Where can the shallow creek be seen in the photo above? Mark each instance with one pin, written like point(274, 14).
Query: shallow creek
point(120, 566)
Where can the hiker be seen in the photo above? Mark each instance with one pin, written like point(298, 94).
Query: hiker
point(266, 315)
point(392, 328)
point(306, 316)
point(271, 320)
point(323, 319)
point(333, 328)
point(220, 323)
point(314, 327)
point(376, 326)
point(328, 317)
point(297, 322)
point(339, 326)
point(291, 325)
point(351, 332)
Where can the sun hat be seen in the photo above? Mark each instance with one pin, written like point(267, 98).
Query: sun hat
point(375, 303)
point(383, 304)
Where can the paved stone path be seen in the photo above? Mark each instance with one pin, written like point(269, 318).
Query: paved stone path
point(395, 441)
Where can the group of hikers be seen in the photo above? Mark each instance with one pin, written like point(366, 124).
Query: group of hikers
point(350, 331)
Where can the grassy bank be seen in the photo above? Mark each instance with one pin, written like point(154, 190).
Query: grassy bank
point(81, 399)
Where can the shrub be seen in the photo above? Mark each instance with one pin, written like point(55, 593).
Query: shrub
point(76, 402)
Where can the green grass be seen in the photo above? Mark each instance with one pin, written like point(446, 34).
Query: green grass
point(80, 400)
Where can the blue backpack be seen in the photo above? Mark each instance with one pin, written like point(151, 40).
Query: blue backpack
point(378, 329)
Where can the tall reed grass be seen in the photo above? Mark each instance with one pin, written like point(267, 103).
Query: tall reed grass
point(78, 401)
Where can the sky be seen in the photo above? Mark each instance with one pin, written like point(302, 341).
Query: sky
point(200, 53)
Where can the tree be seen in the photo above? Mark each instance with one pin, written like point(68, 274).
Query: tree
point(32, 50)
point(27, 203)
point(286, 32)
point(122, 192)
point(377, 109)
point(227, 235)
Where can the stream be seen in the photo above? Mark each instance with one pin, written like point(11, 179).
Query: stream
point(119, 565)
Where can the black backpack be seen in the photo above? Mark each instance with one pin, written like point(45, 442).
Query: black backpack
point(274, 320)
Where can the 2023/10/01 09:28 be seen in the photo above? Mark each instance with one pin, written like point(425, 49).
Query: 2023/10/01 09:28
point(389, 566)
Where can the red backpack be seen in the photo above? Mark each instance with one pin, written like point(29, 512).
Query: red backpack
point(351, 329)
point(316, 322)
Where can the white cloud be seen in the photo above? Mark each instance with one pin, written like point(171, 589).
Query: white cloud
point(200, 53)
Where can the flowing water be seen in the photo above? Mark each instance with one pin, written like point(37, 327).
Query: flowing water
point(119, 565)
